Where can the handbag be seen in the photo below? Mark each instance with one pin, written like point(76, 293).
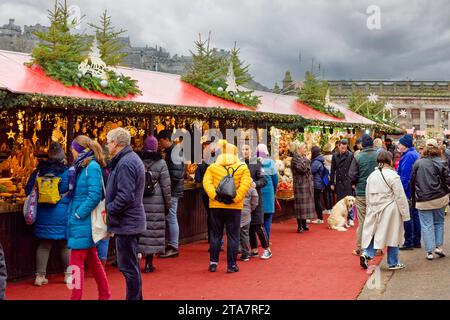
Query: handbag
point(30, 205)
point(98, 219)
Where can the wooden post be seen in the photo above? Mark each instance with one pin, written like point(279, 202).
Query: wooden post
point(152, 124)
point(70, 134)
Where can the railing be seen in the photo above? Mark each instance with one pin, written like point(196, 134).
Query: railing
point(344, 87)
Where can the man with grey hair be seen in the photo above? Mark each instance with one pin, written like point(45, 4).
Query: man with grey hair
point(124, 206)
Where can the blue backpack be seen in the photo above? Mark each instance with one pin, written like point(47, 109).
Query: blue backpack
point(326, 176)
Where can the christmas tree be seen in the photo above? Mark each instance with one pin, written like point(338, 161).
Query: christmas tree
point(108, 43)
point(58, 43)
point(313, 94)
point(210, 72)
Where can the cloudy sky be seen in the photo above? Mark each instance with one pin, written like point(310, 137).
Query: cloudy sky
point(413, 40)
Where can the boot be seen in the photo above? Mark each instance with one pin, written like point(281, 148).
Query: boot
point(149, 264)
point(299, 226)
point(40, 280)
point(304, 226)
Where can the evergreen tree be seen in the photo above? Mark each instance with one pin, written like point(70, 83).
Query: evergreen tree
point(58, 43)
point(109, 45)
point(208, 67)
point(359, 103)
point(241, 70)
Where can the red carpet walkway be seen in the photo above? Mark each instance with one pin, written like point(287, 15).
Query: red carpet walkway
point(314, 265)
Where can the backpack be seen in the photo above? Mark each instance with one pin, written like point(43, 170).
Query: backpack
point(150, 183)
point(226, 190)
point(48, 190)
point(326, 176)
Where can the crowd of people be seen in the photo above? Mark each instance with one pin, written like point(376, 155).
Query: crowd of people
point(401, 197)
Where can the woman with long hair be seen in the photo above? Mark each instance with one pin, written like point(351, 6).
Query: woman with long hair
point(303, 186)
point(87, 183)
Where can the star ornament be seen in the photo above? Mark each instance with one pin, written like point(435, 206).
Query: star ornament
point(388, 106)
point(373, 98)
point(11, 134)
point(403, 113)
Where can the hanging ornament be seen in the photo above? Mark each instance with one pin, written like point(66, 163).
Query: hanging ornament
point(373, 98)
point(142, 132)
point(11, 134)
point(20, 139)
point(231, 80)
point(39, 123)
point(403, 113)
point(34, 138)
point(104, 83)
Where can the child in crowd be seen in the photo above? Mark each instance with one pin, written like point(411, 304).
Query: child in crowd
point(250, 204)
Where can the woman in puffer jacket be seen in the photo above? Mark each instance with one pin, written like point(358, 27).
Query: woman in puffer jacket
point(52, 219)
point(86, 195)
point(152, 241)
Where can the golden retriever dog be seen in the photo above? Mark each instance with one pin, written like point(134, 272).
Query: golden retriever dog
point(338, 217)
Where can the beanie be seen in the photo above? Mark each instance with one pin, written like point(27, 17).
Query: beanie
point(407, 141)
point(151, 144)
point(366, 141)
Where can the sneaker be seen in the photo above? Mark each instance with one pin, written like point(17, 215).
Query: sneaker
point(440, 252)
point(233, 269)
point(40, 280)
point(397, 266)
point(213, 267)
point(254, 254)
point(356, 252)
point(244, 257)
point(317, 221)
point(364, 261)
point(418, 246)
point(430, 256)
point(266, 255)
point(351, 223)
point(308, 220)
point(171, 253)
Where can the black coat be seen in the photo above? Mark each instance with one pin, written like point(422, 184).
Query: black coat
point(259, 179)
point(3, 274)
point(340, 179)
point(199, 174)
point(429, 180)
point(177, 172)
point(152, 240)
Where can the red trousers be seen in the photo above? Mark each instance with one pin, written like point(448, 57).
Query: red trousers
point(77, 259)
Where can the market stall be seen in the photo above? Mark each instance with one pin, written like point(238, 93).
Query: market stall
point(35, 110)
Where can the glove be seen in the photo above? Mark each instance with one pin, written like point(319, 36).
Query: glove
point(226, 201)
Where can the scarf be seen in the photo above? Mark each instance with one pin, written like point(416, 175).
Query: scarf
point(76, 168)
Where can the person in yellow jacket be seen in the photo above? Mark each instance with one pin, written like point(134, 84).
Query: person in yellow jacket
point(226, 213)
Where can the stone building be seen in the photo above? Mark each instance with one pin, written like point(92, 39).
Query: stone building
point(422, 105)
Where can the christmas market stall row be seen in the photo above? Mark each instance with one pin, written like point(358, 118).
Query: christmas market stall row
point(72, 84)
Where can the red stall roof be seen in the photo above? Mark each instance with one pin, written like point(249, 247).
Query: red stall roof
point(156, 87)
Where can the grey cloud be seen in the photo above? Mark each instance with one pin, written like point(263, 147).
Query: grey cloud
point(413, 41)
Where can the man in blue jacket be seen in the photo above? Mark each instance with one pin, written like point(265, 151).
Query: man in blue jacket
point(405, 167)
point(125, 208)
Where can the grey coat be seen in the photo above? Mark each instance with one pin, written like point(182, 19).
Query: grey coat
point(3, 274)
point(152, 240)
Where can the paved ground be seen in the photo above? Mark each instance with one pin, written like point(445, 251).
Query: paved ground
point(421, 280)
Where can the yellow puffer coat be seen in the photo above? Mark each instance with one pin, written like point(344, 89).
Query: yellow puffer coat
point(216, 172)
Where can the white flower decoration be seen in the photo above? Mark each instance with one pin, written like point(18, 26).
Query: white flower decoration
point(403, 113)
point(388, 106)
point(373, 98)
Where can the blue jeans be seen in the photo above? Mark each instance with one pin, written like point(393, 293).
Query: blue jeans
point(268, 223)
point(127, 261)
point(351, 214)
point(412, 229)
point(392, 254)
point(172, 224)
point(102, 249)
point(432, 224)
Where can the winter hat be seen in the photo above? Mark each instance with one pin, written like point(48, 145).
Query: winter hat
point(262, 151)
point(407, 140)
point(151, 144)
point(431, 143)
point(56, 152)
point(367, 141)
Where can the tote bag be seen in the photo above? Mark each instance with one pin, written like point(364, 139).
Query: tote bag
point(30, 206)
point(98, 219)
